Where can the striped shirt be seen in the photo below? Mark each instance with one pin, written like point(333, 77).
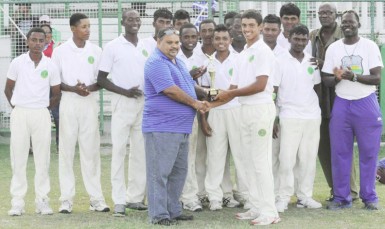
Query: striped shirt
point(161, 113)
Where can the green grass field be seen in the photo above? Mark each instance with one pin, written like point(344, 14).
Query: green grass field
point(83, 218)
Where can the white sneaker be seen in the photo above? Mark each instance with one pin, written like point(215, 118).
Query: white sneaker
point(194, 206)
point(230, 202)
point(43, 208)
point(16, 210)
point(250, 214)
point(215, 205)
point(99, 206)
point(281, 205)
point(65, 207)
point(308, 203)
point(265, 220)
point(247, 205)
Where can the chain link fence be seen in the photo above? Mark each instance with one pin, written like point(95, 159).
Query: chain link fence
point(16, 17)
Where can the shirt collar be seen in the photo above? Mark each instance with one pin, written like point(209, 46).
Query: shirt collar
point(337, 33)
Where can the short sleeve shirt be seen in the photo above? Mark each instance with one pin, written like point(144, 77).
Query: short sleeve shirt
point(77, 64)
point(32, 85)
point(161, 113)
point(295, 81)
point(360, 57)
point(124, 62)
point(223, 74)
point(254, 61)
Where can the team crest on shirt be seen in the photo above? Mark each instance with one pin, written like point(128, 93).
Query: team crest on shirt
point(91, 59)
point(354, 62)
point(44, 74)
point(262, 132)
point(251, 58)
point(194, 67)
point(145, 53)
point(231, 71)
point(310, 70)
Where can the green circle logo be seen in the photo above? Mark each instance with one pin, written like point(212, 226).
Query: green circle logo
point(194, 67)
point(91, 59)
point(231, 71)
point(262, 132)
point(310, 70)
point(44, 74)
point(251, 58)
point(145, 53)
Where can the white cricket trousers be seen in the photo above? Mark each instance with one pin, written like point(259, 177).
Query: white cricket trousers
point(201, 166)
point(256, 135)
point(79, 123)
point(190, 189)
point(27, 123)
point(226, 133)
point(126, 124)
point(298, 156)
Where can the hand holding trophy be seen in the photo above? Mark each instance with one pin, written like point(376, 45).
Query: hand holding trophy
point(211, 70)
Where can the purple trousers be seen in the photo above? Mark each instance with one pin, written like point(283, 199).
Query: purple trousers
point(361, 119)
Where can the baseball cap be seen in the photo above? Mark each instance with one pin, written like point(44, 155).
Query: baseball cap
point(44, 18)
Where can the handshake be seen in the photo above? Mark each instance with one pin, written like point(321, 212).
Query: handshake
point(222, 97)
point(202, 106)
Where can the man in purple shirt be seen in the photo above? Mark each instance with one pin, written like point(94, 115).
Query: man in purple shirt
point(169, 111)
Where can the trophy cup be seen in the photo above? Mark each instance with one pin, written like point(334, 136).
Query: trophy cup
point(211, 70)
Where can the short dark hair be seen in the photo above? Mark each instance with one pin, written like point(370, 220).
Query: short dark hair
point(221, 28)
point(35, 30)
point(238, 16)
point(126, 11)
point(273, 19)
point(76, 17)
point(290, 9)
point(207, 21)
point(162, 12)
point(46, 25)
point(252, 14)
point(187, 26)
point(299, 29)
point(180, 15)
point(351, 12)
point(229, 15)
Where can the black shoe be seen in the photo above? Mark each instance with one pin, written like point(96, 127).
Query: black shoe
point(338, 205)
point(184, 217)
point(371, 206)
point(137, 206)
point(330, 199)
point(166, 222)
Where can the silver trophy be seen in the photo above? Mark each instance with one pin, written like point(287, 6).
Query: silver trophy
point(211, 70)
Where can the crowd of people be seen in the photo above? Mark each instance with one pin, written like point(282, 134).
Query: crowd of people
point(269, 99)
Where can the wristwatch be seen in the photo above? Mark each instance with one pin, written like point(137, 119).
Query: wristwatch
point(354, 79)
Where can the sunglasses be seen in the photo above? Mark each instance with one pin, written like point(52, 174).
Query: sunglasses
point(167, 32)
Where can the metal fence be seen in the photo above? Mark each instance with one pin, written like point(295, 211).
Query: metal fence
point(105, 16)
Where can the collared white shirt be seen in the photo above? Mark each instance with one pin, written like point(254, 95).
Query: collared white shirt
point(279, 50)
point(255, 61)
point(124, 62)
point(149, 45)
point(360, 57)
point(295, 81)
point(77, 64)
point(32, 85)
point(284, 43)
point(201, 58)
point(223, 74)
point(192, 62)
